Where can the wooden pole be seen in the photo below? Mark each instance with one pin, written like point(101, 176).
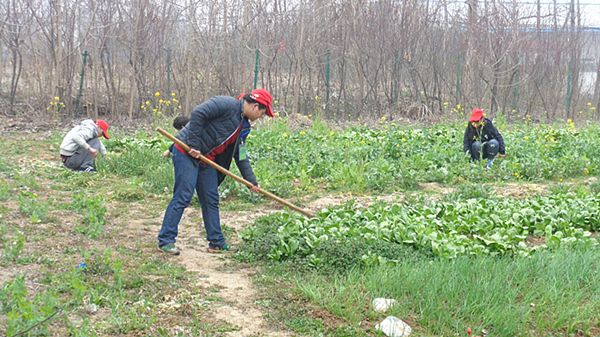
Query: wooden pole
point(236, 178)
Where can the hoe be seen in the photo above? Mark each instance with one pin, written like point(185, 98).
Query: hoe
point(236, 178)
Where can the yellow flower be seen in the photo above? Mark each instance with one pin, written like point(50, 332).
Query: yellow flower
point(157, 94)
point(173, 94)
point(56, 98)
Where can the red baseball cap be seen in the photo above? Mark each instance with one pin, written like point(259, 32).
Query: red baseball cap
point(263, 97)
point(101, 123)
point(476, 115)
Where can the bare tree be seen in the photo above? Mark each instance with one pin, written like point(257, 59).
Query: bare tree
point(13, 29)
point(393, 57)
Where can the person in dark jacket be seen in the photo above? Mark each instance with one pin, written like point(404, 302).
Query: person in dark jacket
point(481, 133)
point(217, 129)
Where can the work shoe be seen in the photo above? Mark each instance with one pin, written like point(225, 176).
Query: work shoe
point(87, 169)
point(218, 249)
point(169, 248)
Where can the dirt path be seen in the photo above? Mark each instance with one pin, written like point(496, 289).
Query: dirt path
point(229, 281)
point(232, 280)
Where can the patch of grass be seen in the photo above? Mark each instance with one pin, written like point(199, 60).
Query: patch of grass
point(131, 286)
point(339, 256)
point(3, 231)
point(93, 215)
point(158, 266)
point(5, 192)
point(4, 166)
point(13, 247)
point(549, 293)
point(595, 187)
point(27, 182)
point(24, 312)
point(31, 205)
point(469, 191)
point(128, 319)
point(284, 304)
point(564, 188)
point(144, 165)
point(236, 205)
point(128, 193)
point(84, 329)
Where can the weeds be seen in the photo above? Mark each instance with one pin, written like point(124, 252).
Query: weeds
point(26, 314)
point(32, 206)
point(5, 192)
point(469, 191)
point(93, 215)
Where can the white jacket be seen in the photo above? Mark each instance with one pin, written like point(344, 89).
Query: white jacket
point(79, 136)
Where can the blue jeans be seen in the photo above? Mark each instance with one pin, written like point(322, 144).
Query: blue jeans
point(490, 149)
point(190, 175)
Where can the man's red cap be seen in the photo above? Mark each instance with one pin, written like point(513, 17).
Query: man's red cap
point(101, 123)
point(476, 115)
point(263, 97)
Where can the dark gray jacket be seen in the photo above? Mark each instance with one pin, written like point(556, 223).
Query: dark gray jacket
point(211, 124)
point(487, 132)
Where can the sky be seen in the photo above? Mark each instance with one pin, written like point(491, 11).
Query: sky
point(590, 9)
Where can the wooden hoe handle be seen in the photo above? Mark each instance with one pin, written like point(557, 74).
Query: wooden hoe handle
point(236, 178)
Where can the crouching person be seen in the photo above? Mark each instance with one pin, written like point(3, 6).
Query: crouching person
point(81, 145)
point(481, 137)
